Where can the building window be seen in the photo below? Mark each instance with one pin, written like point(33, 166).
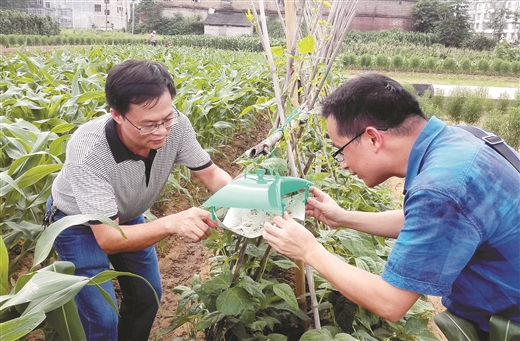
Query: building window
point(97, 8)
point(107, 12)
point(47, 4)
point(119, 9)
point(40, 2)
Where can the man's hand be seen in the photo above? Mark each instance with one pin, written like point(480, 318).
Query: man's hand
point(288, 237)
point(193, 223)
point(323, 208)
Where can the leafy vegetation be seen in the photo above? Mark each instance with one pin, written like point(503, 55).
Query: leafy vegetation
point(44, 97)
point(15, 22)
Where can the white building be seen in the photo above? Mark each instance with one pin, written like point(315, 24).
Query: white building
point(482, 11)
point(85, 14)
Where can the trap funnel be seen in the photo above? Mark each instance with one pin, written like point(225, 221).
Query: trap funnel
point(256, 198)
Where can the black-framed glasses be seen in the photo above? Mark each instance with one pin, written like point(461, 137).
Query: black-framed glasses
point(338, 154)
point(152, 128)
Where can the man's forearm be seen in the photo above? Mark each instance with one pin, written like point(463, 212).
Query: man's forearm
point(385, 224)
point(361, 287)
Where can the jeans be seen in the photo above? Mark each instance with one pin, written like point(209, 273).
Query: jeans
point(138, 308)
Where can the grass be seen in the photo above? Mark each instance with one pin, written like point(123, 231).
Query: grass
point(448, 79)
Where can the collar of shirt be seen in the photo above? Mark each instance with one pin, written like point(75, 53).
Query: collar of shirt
point(425, 138)
point(117, 147)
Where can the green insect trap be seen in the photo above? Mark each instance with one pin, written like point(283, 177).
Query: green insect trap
point(257, 198)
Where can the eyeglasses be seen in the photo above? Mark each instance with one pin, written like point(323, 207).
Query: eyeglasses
point(168, 123)
point(338, 154)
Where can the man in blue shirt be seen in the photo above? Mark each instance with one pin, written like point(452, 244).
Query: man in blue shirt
point(458, 235)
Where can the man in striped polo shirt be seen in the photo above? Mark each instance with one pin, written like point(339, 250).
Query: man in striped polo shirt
point(116, 166)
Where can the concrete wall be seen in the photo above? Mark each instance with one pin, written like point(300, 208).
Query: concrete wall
point(380, 15)
point(229, 31)
point(371, 14)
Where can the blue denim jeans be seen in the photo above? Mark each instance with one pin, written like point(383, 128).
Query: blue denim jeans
point(138, 308)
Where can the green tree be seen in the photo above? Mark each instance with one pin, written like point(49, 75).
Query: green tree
point(150, 13)
point(498, 22)
point(454, 27)
point(427, 13)
point(14, 5)
point(448, 20)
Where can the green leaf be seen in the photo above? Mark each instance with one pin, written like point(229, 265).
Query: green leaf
point(234, 301)
point(455, 327)
point(317, 335)
point(306, 45)
point(344, 337)
point(14, 329)
point(46, 291)
point(4, 268)
point(502, 329)
point(210, 320)
point(285, 292)
point(109, 275)
point(46, 240)
point(65, 320)
point(35, 174)
point(218, 283)
point(415, 325)
point(285, 264)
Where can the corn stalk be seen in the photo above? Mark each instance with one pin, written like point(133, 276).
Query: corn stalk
point(309, 62)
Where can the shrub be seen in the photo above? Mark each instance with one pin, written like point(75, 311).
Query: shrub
point(348, 59)
point(505, 67)
point(515, 67)
point(472, 109)
point(382, 61)
point(29, 41)
point(479, 42)
point(430, 64)
point(465, 64)
point(483, 65)
point(496, 64)
point(494, 122)
point(512, 133)
point(454, 104)
point(429, 107)
point(398, 61)
point(449, 64)
point(415, 62)
point(503, 102)
point(365, 60)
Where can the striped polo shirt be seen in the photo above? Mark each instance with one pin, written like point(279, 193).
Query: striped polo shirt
point(102, 176)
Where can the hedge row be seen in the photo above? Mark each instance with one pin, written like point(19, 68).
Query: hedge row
point(15, 22)
point(431, 64)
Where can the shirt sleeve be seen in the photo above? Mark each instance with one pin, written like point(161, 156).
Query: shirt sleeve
point(437, 241)
point(191, 154)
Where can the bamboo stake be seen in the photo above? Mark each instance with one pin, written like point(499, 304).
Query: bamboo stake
point(329, 36)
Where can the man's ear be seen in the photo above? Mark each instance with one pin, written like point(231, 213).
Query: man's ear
point(116, 116)
point(376, 139)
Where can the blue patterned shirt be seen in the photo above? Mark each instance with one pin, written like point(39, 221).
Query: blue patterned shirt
point(461, 236)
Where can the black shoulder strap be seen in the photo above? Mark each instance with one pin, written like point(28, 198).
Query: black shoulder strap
point(495, 142)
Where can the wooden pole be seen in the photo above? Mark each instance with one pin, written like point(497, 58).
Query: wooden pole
point(290, 22)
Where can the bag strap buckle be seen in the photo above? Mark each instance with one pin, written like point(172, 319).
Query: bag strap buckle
point(493, 139)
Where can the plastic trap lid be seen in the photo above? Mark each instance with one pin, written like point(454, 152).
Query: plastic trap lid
point(257, 198)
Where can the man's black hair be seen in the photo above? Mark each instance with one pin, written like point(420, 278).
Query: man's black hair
point(137, 82)
point(370, 100)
